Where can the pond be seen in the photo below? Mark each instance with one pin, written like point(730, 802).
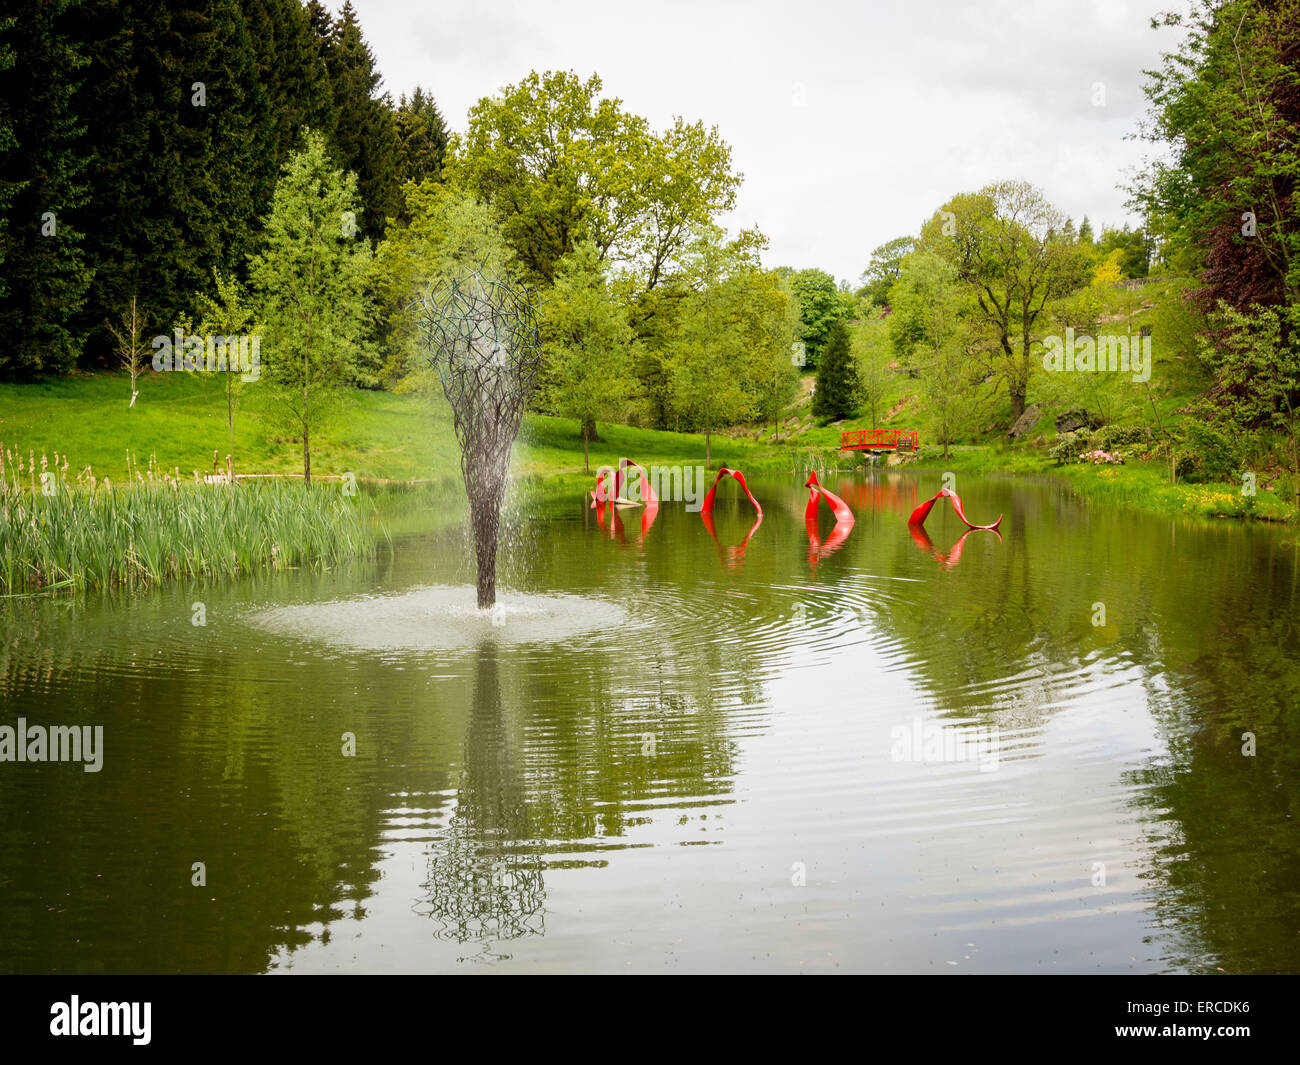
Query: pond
point(1072, 747)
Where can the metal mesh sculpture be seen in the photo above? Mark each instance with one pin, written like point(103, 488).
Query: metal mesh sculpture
point(481, 336)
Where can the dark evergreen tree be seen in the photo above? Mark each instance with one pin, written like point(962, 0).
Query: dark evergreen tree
point(423, 137)
point(43, 183)
point(291, 69)
point(365, 139)
point(837, 376)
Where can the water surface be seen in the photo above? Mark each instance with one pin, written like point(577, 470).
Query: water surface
point(675, 751)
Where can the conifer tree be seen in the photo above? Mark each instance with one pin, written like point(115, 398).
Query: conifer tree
point(837, 376)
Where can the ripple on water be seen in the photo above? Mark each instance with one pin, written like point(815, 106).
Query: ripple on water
point(440, 617)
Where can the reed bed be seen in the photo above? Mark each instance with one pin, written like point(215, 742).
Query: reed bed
point(86, 532)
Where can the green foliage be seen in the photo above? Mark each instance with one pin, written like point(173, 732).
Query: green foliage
point(43, 185)
point(586, 337)
point(365, 138)
point(423, 137)
point(885, 267)
point(872, 354)
point(820, 307)
point(1115, 437)
point(448, 233)
point(310, 285)
point(837, 376)
point(227, 312)
point(1223, 101)
point(559, 163)
point(1067, 447)
point(1010, 253)
point(1205, 452)
point(706, 358)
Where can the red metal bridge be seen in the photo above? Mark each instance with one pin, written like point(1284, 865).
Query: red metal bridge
point(879, 440)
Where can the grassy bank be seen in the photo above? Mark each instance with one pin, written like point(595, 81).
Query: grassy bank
point(179, 418)
point(1143, 485)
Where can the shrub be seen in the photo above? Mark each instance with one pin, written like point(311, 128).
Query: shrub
point(1204, 452)
point(1116, 437)
point(1069, 446)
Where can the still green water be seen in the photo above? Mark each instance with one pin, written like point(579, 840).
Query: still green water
point(671, 754)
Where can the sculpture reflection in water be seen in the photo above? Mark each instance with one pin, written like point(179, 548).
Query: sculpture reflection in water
point(485, 880)
point(916, 526)
point(817, 548)
point(732, 555)
point(952, 556)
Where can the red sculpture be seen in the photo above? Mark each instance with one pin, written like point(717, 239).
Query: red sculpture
point(923, 511)
point(707, 506)
point(843, 516)
point(602, 495)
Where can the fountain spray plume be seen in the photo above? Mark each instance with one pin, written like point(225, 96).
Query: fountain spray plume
point(481, 336)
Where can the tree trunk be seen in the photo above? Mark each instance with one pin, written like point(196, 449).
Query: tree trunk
point(306, 442)
point(589, 430)
point(586, 461)
point(1017, 404)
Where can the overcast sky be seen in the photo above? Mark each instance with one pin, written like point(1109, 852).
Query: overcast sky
point(851, 121)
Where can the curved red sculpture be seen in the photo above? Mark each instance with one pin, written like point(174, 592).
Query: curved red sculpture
point(602, 493)
point(923, 511)
point(843, 516)
point(707, 506)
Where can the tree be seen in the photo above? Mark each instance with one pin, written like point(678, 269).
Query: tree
point(310, 291)
point(291, 70)
point(586, 338)
point(1007, 246)
point(1257, 374)
point(448, 234)
point(365, 136)
point(819, 308)
point(43, 184)
point(422, 137)
point(872, 354)
point(228, 314)
point(884, 268)
point(837, 376)
point(773, 325)
point(927, 325)
point(707, 363)
point(131, 350)
point(1226, 102)
point(559, 163)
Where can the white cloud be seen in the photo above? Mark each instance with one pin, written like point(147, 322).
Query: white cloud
point(852, 122)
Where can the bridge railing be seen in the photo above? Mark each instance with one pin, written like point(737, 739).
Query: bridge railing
point(860, 439)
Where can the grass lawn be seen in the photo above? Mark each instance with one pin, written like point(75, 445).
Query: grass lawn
point(180, 418)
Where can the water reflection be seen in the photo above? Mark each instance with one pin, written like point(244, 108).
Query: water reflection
point(952, 556)
point(485, 881)
point(731, 555)
point(623, 772)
